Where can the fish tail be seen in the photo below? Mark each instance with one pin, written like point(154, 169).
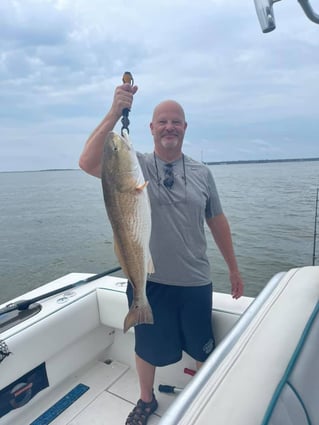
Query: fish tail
point(137, 315)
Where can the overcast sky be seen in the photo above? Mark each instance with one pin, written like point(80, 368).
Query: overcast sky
point(247, 95)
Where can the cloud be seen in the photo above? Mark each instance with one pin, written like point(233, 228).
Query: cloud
point(60, 61)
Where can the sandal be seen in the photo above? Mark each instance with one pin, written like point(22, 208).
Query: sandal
point(141, 412)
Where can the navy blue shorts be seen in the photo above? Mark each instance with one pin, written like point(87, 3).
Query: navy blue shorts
point(182, 322)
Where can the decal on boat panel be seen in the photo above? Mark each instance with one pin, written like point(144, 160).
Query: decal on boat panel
point(4, 350)
point(21, 391)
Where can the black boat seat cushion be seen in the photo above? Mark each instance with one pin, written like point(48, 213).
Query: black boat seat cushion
point(296, 401)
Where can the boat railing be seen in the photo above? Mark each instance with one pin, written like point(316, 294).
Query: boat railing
point(266, 16)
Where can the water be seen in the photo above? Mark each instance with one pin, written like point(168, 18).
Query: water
point(53, 223)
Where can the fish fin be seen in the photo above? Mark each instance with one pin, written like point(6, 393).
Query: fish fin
point(141, 187)
point(150, 265)
point(138, 315)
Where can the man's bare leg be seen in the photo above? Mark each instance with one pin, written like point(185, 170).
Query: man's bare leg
point(146, 374)
point(147, 403)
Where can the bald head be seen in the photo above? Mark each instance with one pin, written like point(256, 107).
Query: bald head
point(168, 106)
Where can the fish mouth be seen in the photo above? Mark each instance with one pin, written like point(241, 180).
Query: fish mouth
point(118, 142)
point(127, 141)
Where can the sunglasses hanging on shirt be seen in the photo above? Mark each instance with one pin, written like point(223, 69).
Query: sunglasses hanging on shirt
point(168, 181)
point(169, 178)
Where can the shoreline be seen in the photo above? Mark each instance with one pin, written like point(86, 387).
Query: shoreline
point(242, 161)
point(260, 161)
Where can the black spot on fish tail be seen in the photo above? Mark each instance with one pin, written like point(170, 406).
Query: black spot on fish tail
point(138, 315)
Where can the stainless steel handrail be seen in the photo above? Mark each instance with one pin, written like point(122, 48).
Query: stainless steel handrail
point(266, 16)
point(314, 17)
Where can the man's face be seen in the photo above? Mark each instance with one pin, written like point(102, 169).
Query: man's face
point(168, 126)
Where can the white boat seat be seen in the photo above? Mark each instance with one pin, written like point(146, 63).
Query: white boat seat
point(113, 307)
point(266, 371)
point(296, 401)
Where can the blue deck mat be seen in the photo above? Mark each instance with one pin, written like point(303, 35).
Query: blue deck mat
point(60, 406)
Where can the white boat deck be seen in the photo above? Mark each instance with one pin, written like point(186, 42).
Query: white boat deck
point(113, 392)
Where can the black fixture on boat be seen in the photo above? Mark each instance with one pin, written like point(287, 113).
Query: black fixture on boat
point(265, 13)
point(14, 317)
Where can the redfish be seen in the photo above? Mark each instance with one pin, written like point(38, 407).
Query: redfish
point(128, 208)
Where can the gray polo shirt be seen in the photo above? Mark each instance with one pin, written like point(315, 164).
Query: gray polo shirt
point(178, 243)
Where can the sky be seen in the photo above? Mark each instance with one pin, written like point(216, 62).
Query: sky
point(246, 95)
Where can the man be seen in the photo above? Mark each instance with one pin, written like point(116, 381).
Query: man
point(183, 196)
